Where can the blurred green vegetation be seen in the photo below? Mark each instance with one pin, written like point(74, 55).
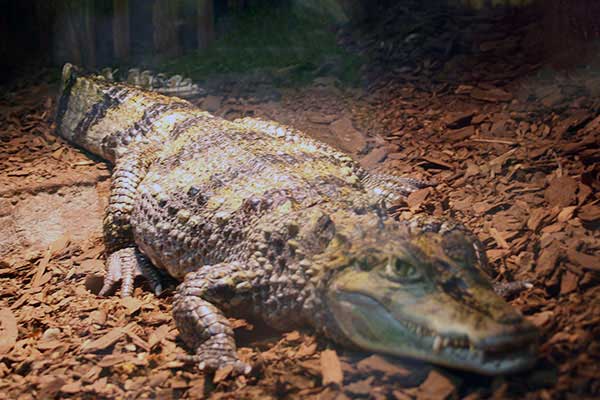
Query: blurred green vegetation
point(293, 44)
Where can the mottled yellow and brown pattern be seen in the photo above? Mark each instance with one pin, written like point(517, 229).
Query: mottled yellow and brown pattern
point(258, 218)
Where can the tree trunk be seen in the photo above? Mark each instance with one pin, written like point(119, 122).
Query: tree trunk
point(206, 23)
point(164, 19)
point(121, 38)
point(77, 37)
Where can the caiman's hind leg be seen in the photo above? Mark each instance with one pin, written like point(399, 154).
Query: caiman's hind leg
point(124, 262)
point(197, 310)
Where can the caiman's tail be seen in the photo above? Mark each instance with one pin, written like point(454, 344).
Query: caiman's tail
point(105, 117)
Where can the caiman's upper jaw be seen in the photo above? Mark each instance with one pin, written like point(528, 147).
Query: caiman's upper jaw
point(369, 325)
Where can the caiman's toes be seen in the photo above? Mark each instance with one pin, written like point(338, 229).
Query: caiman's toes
point(510, 289)
point(123, 266)
point(113, 275)
point(239, 367)
point(213, 364)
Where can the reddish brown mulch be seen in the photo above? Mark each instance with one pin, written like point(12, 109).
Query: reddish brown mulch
point(515, 157)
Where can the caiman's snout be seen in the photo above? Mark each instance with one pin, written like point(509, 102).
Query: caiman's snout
point(430, 307)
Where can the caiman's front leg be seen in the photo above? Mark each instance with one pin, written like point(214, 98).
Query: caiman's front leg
point(124, 262)
point(200, 320)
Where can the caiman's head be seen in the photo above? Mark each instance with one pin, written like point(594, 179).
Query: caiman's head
point(426, 298)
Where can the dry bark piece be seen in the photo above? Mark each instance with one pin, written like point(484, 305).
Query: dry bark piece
point(350, 139)
point(460, 134)
point(547, 260)
point(436, 386)
point(586, 261)
point(589, 213)
point(104, 341)
point(561, 191)
point(72, 387)
point(375, 156)
point(8, 330)
point(455, 120)
point(331, 368)
point(491, 95)
point(158, 335)
point(541, 318)
point(131, 304)
point(360, 388)
point(566, 214)
point(416, 198)
point(568, 282)
point(535, 220)
point(379, 363)
point(320, 118)
point(222, 373)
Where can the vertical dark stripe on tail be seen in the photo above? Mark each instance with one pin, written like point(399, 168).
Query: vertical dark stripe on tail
point(185, 125)
point(112, 98)
point(139, 129)
point(63, 101)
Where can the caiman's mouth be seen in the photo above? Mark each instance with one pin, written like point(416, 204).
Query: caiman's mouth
point(371, 326)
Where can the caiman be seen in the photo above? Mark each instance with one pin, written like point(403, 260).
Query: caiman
point(258, 218)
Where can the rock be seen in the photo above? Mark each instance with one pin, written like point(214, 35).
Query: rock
point(212, 103)
point(350, 140)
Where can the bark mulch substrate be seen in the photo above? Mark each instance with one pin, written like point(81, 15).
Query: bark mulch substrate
point(515, 158)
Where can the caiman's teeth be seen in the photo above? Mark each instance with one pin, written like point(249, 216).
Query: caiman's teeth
point(437, 344)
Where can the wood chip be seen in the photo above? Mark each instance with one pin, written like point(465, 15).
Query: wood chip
point(104, 341)
point(436, 386)
point(492, 95)
point(222, 373)
point(131, 304)
point(586, 261)
point(158, 335)
point(416, 198)
point(331, 369)
point(8, 330)
point(561, 192)
point(379, 363)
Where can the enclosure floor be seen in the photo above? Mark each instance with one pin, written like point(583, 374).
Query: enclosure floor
point(518, 164)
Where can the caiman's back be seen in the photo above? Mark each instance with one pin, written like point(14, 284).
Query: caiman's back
point(217, 180)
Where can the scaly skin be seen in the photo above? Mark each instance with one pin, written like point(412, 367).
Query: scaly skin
point(257, 217)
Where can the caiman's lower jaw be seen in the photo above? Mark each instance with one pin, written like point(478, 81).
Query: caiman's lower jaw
point(368, 324)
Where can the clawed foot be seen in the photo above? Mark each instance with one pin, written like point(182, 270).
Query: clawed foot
point(212, 363)
point(510, 289)
point(123, 266)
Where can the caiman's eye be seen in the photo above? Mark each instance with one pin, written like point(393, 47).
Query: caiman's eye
point(402, 270)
